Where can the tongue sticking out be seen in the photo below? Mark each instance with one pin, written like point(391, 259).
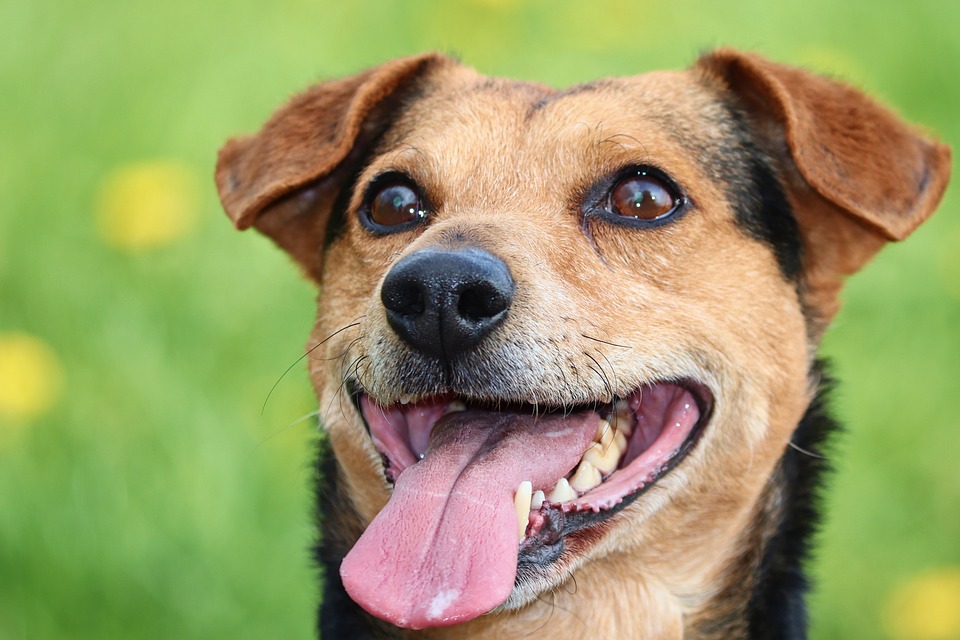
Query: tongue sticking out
point(444, 549)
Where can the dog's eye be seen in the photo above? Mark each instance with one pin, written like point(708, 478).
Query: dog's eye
point(395, 203)
point(643, 196)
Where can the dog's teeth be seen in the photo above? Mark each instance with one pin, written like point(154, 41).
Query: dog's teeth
point(405, 399)
point(605, 433)
point(521, 502)
point(620, 441)
point(537, 500)
point(586, 477)
point(605, 459)
point(563, 492)
point(623, 418)
point(456, 405)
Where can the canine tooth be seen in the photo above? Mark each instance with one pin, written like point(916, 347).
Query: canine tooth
point(586, 477)
point(563, 492)
point(405, 399)
point(521, 503)
point(456, 405)
point(537, 500)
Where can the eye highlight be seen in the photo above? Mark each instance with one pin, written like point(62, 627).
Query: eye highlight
point(393, 203)
point(642, 195)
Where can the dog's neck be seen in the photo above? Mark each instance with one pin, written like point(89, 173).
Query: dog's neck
point(760, 595)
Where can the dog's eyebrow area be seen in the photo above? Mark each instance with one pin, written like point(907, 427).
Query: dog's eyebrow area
point(709, 135)
point(504, 146)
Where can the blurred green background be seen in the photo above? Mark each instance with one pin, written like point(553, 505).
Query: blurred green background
point(145, 490)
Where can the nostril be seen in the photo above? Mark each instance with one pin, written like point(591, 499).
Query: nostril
point(480, 302)
point(405, 299)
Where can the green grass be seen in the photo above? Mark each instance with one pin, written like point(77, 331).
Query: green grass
point(156, 500)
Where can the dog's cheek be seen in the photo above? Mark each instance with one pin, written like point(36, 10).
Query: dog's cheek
point(360, 464)
point(751, 343)
point(362, 472)
point(336, 347)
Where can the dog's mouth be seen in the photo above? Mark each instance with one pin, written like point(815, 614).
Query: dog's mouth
point(484, 492)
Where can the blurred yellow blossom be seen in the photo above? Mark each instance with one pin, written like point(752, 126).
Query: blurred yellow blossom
point(147, 204)
point(926, 607)
point(30, 381)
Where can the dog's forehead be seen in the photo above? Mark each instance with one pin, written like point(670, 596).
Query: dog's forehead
point(665, 97)
point(503, 134)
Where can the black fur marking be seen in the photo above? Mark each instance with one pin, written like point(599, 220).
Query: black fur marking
point(777, 608)
point(338, 617)
point(338, 212)
point(764, 212)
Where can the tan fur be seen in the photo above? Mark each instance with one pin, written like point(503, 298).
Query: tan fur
point(698, 298)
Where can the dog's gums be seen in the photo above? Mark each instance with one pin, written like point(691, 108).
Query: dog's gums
point(578, 466)
point(636, 438)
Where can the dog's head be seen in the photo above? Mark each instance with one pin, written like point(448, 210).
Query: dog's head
point(583, 320)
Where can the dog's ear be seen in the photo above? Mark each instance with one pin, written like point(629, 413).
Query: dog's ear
point(858, 176)
point(285, 179)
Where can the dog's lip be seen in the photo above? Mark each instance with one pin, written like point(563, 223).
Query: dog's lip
point(554, 523)
point(557, 526)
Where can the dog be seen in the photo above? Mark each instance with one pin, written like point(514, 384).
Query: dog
point(565, 349)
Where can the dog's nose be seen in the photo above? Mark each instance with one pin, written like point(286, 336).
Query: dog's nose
point(444, 302)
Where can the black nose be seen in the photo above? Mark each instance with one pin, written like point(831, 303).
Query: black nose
point(444, 302)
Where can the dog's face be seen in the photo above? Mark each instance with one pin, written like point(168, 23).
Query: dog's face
point(570, 329)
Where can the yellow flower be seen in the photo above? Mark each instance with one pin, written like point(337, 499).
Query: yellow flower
point(30, 381)
point(926, 607)
point(147, 204)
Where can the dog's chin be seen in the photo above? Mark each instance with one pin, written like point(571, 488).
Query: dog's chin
point(623, 447)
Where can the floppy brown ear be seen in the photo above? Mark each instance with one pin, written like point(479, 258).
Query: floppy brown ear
point(285, 178)
point(857, 175)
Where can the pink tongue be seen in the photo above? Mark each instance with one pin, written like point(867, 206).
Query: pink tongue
point(444, 549)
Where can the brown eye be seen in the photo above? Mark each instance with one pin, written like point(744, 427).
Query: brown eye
point(643, 196)
point(396, 204)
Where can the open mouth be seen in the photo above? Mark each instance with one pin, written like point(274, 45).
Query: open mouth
point(483, 488)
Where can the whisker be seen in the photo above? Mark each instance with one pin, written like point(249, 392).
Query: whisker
point(612, 344)
point(601, 374)
point(275, 384)
point(338, 397)
point(353, 323)
point(298, 360)
point(805, 452)
point(304, 418)
point(283, 429)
